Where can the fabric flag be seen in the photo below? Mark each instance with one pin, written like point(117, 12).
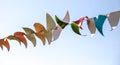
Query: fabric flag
point(80, 21)
point(30, 35)
point(20, 36)
point(50, 26)
point(61, 23)
point(99, 22)
point(65, 21)
point(56, 32)
point(40, 32)
point(113, 19)
point(4, 42)
point(75, 28)
point(91, 26)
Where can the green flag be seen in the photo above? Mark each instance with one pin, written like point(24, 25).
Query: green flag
point(75, 28)
point(61, 23)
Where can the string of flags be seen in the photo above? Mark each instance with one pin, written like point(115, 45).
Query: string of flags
point(52, 30)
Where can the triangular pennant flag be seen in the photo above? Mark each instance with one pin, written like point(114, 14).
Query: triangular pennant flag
point(11, 37)
point(66, 18)
point(40, 32)
point(99, 22)
point(56, 32)
point(5, 43)
point(50, 26)
point(61, 23)
point(30, 35)
point(75, 28)
point(113, 19)
point(20, 36)
point(91, 26)
point(80, 21)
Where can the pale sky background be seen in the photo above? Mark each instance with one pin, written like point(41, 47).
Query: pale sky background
point(70, 48)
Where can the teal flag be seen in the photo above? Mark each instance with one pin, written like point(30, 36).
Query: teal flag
point(99, 22)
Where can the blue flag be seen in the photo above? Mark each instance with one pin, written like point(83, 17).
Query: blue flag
point(99, 22)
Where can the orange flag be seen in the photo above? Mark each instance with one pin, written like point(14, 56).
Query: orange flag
point(40, 32)
point(4, 42)
point(20, 36)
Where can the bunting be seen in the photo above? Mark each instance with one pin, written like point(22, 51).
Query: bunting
point(54, 28)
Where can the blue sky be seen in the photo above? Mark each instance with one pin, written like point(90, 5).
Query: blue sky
point(70, 48)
